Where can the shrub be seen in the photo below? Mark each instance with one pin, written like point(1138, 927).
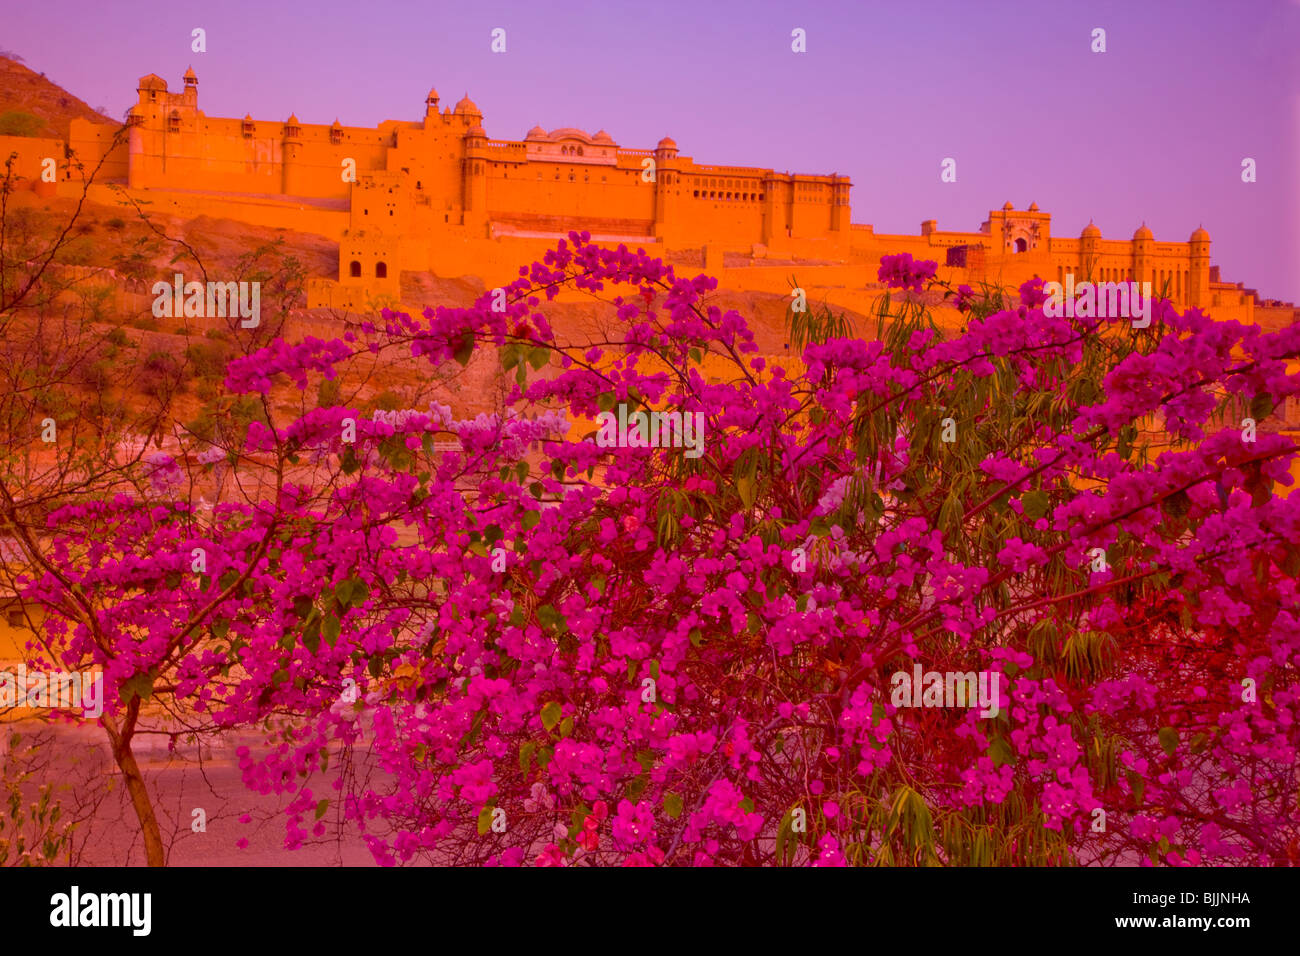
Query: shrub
point(18, 123)
point(600, 651)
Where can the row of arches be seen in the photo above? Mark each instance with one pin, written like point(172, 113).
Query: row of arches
point(728, 197)
point(1178, 280)
point(381, 269)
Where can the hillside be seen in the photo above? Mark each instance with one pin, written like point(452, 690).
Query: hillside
point(26, 91)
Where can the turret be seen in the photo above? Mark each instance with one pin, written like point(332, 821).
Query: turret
point(475, 171)
point(291, 158)
point(1143, 245)
point(1089, 251)
point(468, 111)
point(1198, 277)
point(666, 187)
point(840, 209)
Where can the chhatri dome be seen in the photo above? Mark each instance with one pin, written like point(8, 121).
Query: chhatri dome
point(1143, 232)
point(667, 143)
point(1200, 235)
point(467, 107)
point(1090, 231)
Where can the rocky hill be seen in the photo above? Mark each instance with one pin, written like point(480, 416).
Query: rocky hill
point(25, 91)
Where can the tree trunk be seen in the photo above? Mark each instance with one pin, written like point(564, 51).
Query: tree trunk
point(135, 785)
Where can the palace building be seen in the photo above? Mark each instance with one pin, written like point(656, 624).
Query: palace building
point(437, 194)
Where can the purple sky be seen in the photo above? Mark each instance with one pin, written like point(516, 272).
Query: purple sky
point(1154, 129)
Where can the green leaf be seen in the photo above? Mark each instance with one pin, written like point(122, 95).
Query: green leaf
point(348, 461)
point(637, 786)
point(530, 520)
point(538, 356)
point(550, 618)
point(696, 355)
point(321, 807)
point(605, 401)
point(672, 805)
point(526, 752)
point(311, 634)
point(141, 685)
point(331, 630)
point(697, 637)
point(1137, 784)
point(566, 727)
point(1168, 739)
point(745, 488)
point(1035, 504)
point(465, 350)
point(484, 820)
point(1000, 752)
point(551, 715)
point(785, 838)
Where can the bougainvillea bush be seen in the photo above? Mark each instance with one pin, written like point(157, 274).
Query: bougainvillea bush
point(501, 641)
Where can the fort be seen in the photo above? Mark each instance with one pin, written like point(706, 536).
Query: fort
point(437, 194)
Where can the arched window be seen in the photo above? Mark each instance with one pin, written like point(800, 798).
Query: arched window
point(174, 122)
point(1021, 245)
point(579, 150)
point(354, 269)
point(381, 270)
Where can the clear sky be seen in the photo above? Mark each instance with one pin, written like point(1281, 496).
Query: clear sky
point(1153, 129)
